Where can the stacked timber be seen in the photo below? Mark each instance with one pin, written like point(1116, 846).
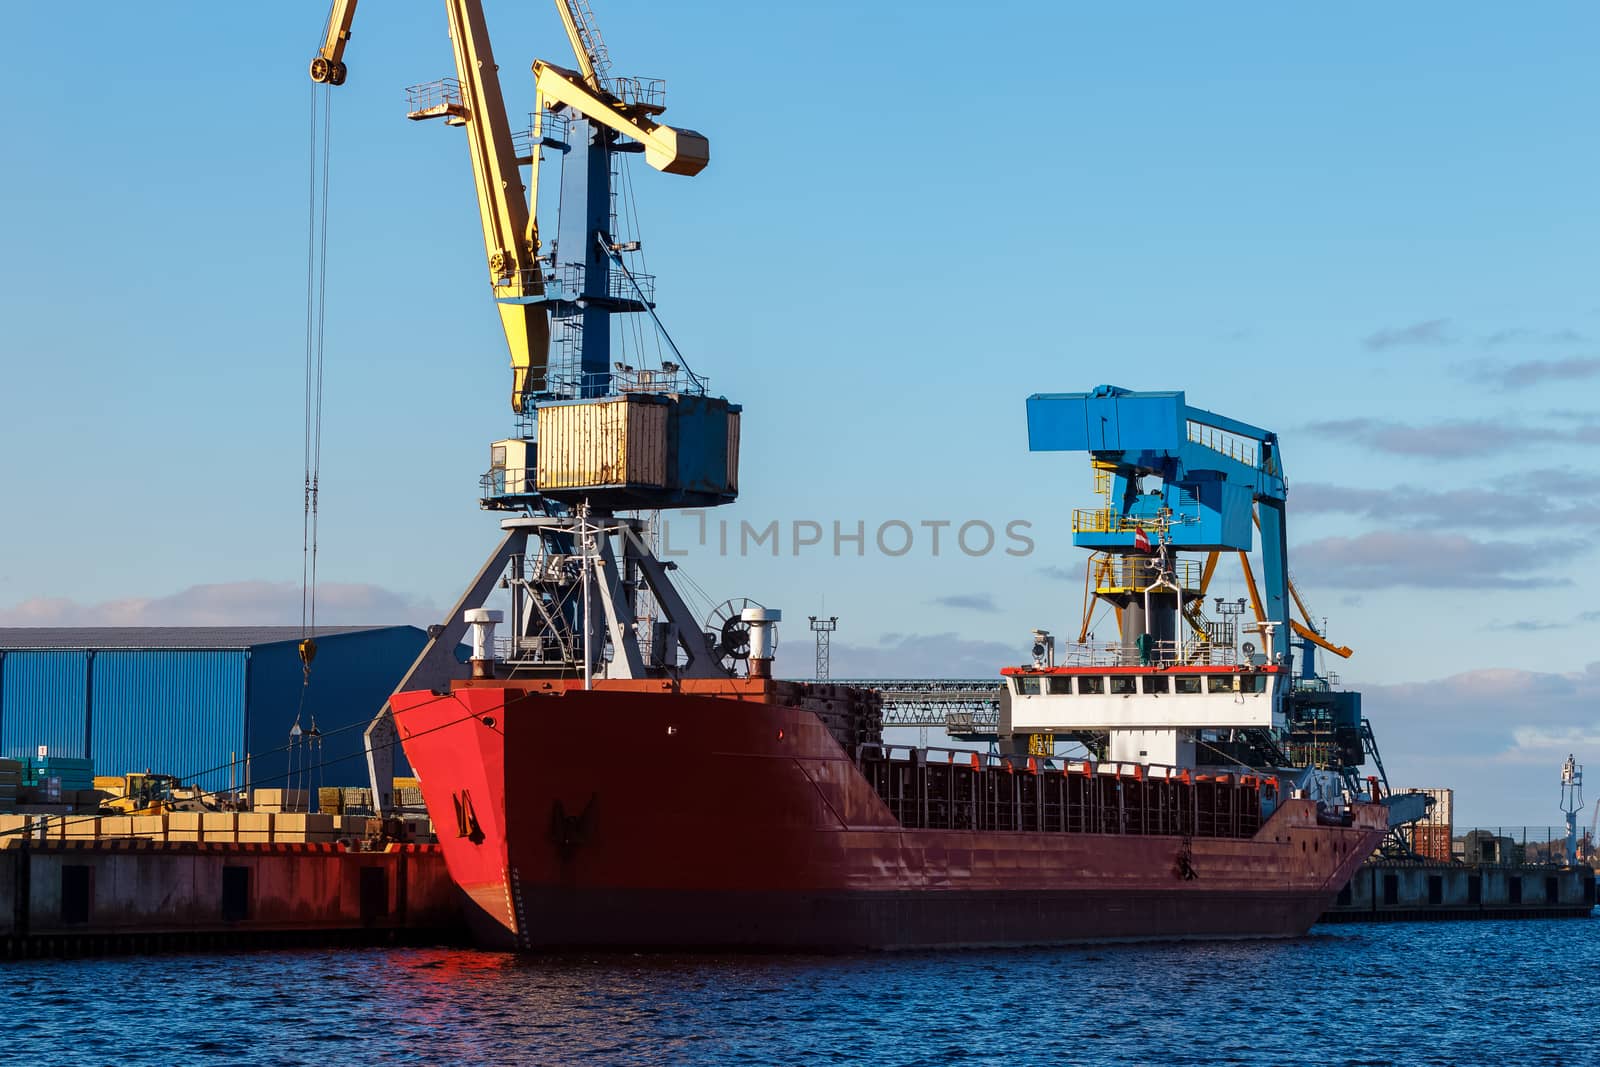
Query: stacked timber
point(281, 800)
point(209, 827)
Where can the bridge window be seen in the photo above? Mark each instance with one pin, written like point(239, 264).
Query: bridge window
point(1091, 685)
point(1252, 683)
point(1219, 683)
point(1157, 683)
point(1058, 685)
point(1188, 683)
point(1123, 685)
point(1028, 685)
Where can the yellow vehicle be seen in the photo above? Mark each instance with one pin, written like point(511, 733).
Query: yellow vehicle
point(146, 794)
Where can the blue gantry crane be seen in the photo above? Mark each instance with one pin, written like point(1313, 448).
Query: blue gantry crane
point(1174, 479)
point(1213, 475)
point(1217, 481)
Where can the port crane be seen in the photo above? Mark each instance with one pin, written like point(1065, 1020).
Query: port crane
point(1176, 478)
point(582, 114)
point(595, 435)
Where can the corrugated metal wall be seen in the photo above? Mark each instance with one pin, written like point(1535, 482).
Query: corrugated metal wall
point(172, 712)
point(192, 712)
point(351, 678)
point(42, 702)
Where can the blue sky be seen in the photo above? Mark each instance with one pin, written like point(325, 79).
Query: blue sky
point(1370, 228)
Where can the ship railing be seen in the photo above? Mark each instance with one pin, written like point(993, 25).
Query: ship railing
point(436, 99)
point(671, 378)
point(542, 648)
point(1138, 573)
point(1161, 654)
point(933, 754)
point(1102, 520)
point(569, 283)
point(648, 93)
point(967, 790)
point(548, 130)
point(1240, 449)
point(506, 482)
point(1113, 521)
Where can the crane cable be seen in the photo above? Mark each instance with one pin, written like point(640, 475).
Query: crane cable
point(316, 318)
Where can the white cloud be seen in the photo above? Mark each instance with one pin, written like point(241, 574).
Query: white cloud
point(1384, 559)
point(1430, 333)
point(1497, 736)
point(250, 603)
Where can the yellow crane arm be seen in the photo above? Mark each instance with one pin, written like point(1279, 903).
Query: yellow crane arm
point(510, 230)
point(1250, 587)
point(666, 149)
point(1321, 642)
point(328, 64)
point(1305, 631)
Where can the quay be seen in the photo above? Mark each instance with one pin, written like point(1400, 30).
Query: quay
point(1407, 891)
point(118, 895)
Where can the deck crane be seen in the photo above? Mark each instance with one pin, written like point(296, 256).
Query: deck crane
point(473, 101)
point(565, 548)
point(1219, 483)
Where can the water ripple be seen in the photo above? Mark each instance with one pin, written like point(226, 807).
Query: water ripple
point(1446, 994)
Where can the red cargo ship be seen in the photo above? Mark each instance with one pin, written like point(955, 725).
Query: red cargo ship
point(753, 813)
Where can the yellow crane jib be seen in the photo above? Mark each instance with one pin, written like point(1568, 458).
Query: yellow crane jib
point(510, 230)
point(328, 64)
point(666, 148)
point(473, 101)
point(1317, 639)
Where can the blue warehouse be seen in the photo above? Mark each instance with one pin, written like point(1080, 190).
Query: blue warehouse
point(213, 705)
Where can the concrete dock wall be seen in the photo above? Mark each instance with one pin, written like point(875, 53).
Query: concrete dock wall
point(1409, 891)
point(73, 891)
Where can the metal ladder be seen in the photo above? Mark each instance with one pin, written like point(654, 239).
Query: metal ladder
point(593, 43)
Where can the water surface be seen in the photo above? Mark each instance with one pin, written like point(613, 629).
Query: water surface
point(1442, 993)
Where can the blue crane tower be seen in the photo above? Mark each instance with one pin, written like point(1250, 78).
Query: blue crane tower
point(1175, 478)
point(1213, 472)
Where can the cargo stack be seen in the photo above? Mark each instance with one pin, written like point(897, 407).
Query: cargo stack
point(408, 798)
point(195, 827)
point(10, 782)
point(344, 800)
point(58, 779)
point(1432, 836)
point(273, 801)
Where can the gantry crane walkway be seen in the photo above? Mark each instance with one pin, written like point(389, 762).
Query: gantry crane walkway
point(967, 708)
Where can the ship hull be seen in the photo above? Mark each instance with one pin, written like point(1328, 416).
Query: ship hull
point(690, 920)
point(636, 818)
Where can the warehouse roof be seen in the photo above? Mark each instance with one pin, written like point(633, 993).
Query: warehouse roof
point(217, 637)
